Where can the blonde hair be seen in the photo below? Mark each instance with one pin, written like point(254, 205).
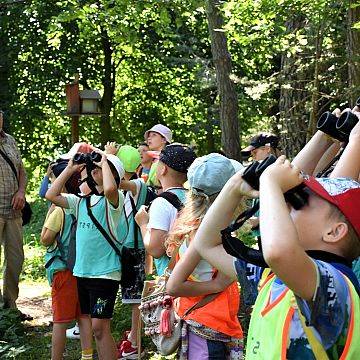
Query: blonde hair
point(190, 218)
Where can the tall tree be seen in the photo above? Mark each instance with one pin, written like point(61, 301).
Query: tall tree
point(353, 49)
point(293, 94)
point(229, 123)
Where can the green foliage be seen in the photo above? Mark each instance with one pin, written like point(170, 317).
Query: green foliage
point(39, 208)
point(33, 268)
point(11, 334)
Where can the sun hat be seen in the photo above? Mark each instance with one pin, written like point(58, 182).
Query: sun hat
point(130, 158)
point(117, 164)
point(259, 140)
point(344, 193)
point(208, 174)
point(178, 157)
point(162, 130)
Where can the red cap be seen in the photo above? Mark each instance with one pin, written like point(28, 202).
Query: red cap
point(344, 193)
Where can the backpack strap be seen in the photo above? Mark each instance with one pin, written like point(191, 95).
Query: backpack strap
point(7, 159)
point(172, 199)
point(134, 211)
point(100, 228)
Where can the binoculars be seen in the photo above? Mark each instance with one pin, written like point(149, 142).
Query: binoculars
point(89, 158)
point(296, 197)
point(338, 128)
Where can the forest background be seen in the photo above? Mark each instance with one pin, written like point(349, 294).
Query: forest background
point(213, 71)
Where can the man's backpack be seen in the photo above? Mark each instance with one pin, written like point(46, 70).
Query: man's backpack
point(59, 251)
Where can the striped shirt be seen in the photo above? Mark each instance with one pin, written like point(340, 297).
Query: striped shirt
point(8, 181)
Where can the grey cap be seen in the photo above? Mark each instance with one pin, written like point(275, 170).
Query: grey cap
point(208, 174)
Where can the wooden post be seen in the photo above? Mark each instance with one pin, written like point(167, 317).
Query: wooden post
point(74, 129)
point(73, 109)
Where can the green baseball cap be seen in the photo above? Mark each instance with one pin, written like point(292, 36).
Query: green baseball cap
point(130, 157)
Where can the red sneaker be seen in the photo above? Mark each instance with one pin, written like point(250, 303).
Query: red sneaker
point(128, 351)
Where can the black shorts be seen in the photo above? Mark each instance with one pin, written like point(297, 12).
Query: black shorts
point(132, 275)
point(97, 296)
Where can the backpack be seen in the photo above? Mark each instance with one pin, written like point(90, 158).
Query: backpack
point(59, 252)
point(172, 199)
point(151, 195)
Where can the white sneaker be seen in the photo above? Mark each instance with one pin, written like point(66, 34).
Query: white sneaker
point(73, 333)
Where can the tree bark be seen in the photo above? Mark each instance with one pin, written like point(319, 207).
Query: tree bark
point(353, 50)
point(4, 65)
point(108, 82)
point(293, 96)
point(229, 124)
point(316, 84)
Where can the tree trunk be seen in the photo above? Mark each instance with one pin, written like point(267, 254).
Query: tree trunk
point(293, 96)
point(229, 124)
point(108, 82)
point(316, 84)
point(4, 65)
point(353, 50)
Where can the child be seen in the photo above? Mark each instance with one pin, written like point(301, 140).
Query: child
point(171, 172)
point(146, 161)
point(97, 265)
point(133, 252)
point(300, 286)
point(210, 330)
point(157, 138)
point(56, 235)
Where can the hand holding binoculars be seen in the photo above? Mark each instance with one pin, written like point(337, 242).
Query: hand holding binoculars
point(338, 128)
point(296, 197)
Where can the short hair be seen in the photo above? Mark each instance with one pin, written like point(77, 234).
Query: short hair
point(351, 249)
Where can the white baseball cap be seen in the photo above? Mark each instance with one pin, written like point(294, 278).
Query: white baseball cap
point(162, 130)
point(117, 164)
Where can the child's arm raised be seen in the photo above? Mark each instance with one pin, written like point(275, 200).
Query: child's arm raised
point(280, 242)
point(109, 184)
point(128, 185)
point(178, 284)
point(308, 158)
point(207, 240)
point(54, 192)
point(349, 162)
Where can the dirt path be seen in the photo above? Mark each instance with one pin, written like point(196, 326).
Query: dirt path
point(35, 300)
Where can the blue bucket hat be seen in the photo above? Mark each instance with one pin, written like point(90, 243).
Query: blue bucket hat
point(208, 174)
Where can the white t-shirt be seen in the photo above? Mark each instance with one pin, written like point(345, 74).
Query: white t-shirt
point(162, 215)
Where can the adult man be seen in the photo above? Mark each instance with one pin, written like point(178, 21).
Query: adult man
point(12, 201)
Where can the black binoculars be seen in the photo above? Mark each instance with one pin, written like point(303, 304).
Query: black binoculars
point(296, 197)
point(338, 128)
point(89, 158)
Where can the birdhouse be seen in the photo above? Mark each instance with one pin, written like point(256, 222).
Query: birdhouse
point(89, 101)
